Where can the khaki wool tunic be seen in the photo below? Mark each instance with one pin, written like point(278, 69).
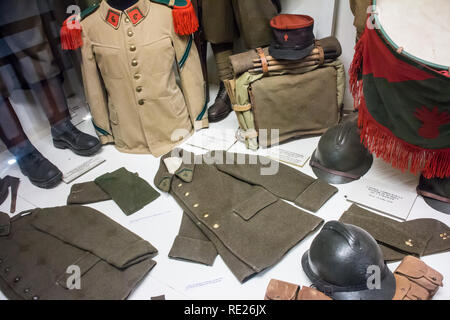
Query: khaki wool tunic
point(235, 209)
point(130, 80)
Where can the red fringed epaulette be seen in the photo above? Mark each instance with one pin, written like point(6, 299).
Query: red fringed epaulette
point(71, 34)
point(184, 17)
point(71, 29)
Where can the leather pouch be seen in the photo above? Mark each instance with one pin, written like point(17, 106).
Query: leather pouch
point(408, 290)
point(280, 290)
point(308, 293)
point(419, 273)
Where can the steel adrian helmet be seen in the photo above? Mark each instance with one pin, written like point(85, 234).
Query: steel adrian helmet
point(340, 156)
point(346, 263)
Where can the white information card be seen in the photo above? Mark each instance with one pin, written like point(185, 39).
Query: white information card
point(395, 202)
point(213, 139)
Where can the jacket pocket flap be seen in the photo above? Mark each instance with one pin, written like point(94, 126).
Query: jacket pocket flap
point(258, 201)
point(83, 265)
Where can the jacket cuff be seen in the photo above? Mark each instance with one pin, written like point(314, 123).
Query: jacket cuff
point(315, 195)
point(106, 139)
point(194, 250)
point(132, 254)
point(201, 124)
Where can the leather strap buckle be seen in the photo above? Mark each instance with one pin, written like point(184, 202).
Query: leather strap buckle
point(264, 62)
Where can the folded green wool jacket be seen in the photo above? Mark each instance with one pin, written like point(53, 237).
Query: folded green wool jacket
point(419, 237)
point(233, 207)
point(41, 249)
point(130, 192)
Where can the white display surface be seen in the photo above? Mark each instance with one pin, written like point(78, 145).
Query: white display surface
point(159, 222)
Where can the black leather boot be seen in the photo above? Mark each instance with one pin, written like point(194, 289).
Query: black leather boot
point(66, 135)
point(221, 107)
point(41, 172)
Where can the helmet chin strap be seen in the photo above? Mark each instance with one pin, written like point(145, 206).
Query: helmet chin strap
point(432, 195)
point(315, 164)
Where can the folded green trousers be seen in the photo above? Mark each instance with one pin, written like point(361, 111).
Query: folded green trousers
point(418, 237)
point(128, 190)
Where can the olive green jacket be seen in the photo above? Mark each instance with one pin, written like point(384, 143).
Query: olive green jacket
point(236, 210)
point(39, 251)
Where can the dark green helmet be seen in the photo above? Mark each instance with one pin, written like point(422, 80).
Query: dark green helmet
point(346, 263)
point(436, 193)
point(340, 156)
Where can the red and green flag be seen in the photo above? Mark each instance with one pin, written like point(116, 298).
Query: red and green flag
point(404, 107)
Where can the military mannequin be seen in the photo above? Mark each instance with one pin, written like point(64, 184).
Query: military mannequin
point(29, 62)
point(223, 22)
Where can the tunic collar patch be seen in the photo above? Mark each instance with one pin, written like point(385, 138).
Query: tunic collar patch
point(135, 14)
point(113, 18)
point(163, 178)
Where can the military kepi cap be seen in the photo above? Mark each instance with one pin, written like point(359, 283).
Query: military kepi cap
point(293, 36)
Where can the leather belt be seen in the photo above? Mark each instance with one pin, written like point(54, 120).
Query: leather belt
point(432, 195)
point(315, 164)
point(264, 63)
point(321, 55)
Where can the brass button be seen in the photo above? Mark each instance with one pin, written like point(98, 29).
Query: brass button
point(206, 215)
point(134, 63)
point(27, 290)
point(130, 33)
point(187, 194)
point(141, 102)
point(180, 185)
point(196, 205)
point(132, 48)
point(409, 243)
point(127, 20)
point(139, 89)
point(17, 279)
point(36, 298)
point(137, 76)
point(216, 226)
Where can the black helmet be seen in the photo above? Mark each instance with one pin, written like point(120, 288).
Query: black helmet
point(436, 193)
point(341, 261)
point(340, 157)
